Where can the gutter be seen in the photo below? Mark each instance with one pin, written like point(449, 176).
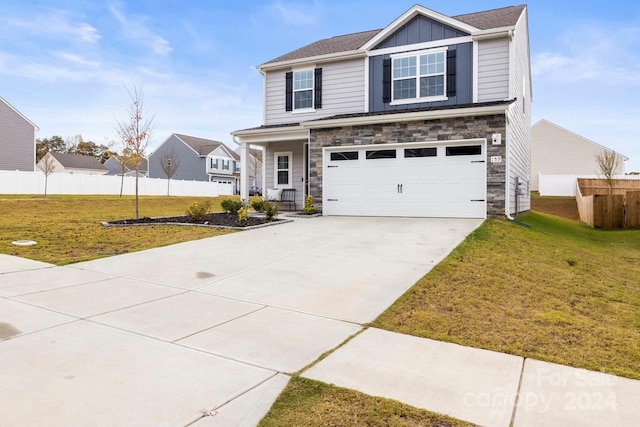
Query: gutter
point(507, 195)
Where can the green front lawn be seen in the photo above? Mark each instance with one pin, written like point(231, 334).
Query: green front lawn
point(68, 229)
point(557, 291)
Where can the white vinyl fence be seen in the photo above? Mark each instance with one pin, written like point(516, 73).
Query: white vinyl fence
point(565, 185)
point(19, 182)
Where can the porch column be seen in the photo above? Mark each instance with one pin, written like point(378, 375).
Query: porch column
point(244, 171)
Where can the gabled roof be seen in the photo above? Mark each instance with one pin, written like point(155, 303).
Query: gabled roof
point(204, 146)
point(495, 18)
point(144, 164)
point(19, 113)
point(547, 122)
point(78, 161)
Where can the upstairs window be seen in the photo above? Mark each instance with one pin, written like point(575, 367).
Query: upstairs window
point(302, 89)
point(225, 165)
point(236, 165)
point(214, 163)
point(421, 76)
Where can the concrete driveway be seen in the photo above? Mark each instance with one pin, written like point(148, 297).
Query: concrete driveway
point(203, 332)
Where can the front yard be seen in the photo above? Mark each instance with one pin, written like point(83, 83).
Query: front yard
point(68, 229)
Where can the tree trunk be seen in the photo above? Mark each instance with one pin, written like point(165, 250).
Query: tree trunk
point(121, 183)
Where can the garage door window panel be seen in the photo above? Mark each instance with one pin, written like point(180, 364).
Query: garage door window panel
point(464, 150)
point(344, 155)
point(381, 154)
point(420, 152)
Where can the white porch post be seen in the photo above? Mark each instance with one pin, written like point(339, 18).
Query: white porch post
point(244, 171)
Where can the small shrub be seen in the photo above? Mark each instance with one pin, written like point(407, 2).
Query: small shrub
point(257, 205)
point(308, 206)
point(243, 216)
point(198, 211)
point(231, 206)
point(270, 209)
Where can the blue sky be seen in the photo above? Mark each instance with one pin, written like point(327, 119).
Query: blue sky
point(64, 63)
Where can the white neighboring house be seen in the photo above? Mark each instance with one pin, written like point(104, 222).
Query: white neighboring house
point(73, 164)
point(254, 164)
point(223, 165)
point(558, 151)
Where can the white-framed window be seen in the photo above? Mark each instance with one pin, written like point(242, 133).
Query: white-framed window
point(303, 89)
point(225, 165)
point(419, 76)
point(214, 163)
point(283, 169)
point(236, 166)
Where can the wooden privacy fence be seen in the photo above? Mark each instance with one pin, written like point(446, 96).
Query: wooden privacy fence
point(602, 210)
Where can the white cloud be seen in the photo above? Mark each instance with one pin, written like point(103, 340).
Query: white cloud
point(298, 14)
point(136, 29)
point(77, 59)
point(596, 52)
point(55, 23)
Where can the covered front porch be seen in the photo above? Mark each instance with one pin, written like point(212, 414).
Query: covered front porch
point(285, 160)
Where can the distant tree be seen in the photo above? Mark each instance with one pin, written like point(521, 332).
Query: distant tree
point(170, 162)
point(608, 163)
point(135, 132)
point(47, 166)
point(55, 144)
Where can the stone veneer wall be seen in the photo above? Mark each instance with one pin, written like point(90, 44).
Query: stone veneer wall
point(417, 131)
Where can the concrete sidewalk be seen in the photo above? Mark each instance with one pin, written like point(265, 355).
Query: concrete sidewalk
point(479, 386)
point(200, 332)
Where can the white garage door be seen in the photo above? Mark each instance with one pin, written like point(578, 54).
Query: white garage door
point(429, 180)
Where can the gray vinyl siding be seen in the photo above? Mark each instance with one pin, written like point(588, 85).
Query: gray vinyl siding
point(342, 92)
point(17, 141)
point(493, 70)
point(192, 167)
point(519, 126)
point(296, 148)
point(464, 82)
point(420, 30)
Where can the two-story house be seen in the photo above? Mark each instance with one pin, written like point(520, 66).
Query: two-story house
point(17, 139)
point(72, 164)
point(427, 117)
point(196, 159)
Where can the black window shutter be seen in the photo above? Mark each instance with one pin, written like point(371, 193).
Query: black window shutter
point(451, 73)
point(289, 91)
point(317, 87)
point(386, 80)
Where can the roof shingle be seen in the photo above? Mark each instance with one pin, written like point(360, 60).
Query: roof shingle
point(204, 146)
point(78, 161)
point(494, 18)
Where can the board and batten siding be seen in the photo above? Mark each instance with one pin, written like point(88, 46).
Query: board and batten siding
point(557, 151)
point(519, 125)
point(17, 140)
point(296, 148)
point(493, 70)
point(342, 93)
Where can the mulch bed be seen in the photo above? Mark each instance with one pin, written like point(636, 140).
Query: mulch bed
point(212, 220)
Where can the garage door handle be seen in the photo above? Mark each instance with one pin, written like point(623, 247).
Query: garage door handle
point(332, 200)
point(477, 200)
point(399, 188)
point(332, 166)
point(472, 161)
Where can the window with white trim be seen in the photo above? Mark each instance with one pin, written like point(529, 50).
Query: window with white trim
point(419, 77)
point(283, 169)
point(225, 165)
point(303, 89)
point(214, 163)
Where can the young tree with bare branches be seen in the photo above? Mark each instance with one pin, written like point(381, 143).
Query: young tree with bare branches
point(608, 163)
point(47, 166)
point(135, 132)
point(170, 162)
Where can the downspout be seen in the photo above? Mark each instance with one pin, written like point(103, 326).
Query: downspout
point(507, 193)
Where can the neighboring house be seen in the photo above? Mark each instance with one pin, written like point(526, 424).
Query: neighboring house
point(198, 159)
point(114, 164)
point(427, 117)
point(73, 164)
point(17, 139)
point(558, 151)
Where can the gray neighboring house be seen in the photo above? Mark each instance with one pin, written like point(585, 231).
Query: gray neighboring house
point(17, 139)
point(427, 117)
point(73, 164)
point(199, 159)
point(115, 167)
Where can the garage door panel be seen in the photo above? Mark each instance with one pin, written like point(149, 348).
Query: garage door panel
point(433, 186)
